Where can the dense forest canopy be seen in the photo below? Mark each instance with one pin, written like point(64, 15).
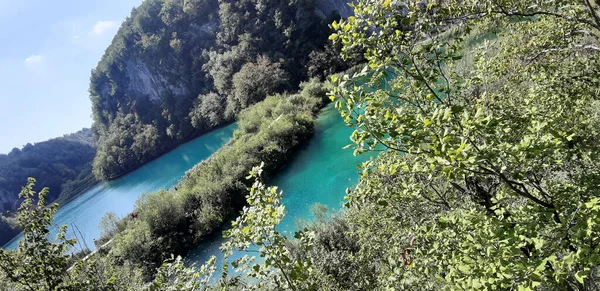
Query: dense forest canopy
point(62, 164)
point(177, 69)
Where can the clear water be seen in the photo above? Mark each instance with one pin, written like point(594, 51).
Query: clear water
point(319, 173)
point(83, 214)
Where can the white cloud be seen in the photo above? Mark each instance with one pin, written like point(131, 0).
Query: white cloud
point(102, 26)
point(34, 60)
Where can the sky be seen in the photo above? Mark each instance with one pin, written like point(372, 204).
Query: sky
point(47, 51)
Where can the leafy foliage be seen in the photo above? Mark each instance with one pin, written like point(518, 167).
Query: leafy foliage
point(43, 270)
point(254, 230)
point(208, 112)
point(128, 141)
point(63, 164)
point(255, 80)
point(173, 275)
point(490, 179)
point(41, 264)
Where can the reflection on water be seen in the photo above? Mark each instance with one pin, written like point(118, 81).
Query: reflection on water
point(84, 213)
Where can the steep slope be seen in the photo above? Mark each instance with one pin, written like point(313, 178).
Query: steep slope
point(62, 164)
point(168, 75)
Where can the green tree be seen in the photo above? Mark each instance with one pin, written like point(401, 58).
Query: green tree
point(195, 7)
point(254, 231)
point(256, 81)
point(42, 264)
point(128, 142)
point(174, 275)
point(489, 180)
point(208, 112)
point(37, 264)
point(109, 224)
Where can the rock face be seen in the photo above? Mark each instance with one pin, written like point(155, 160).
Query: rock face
point(325, 7)
point(143, 82)
point(151, 79)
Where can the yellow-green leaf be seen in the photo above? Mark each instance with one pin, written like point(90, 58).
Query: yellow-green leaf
point(335, 25)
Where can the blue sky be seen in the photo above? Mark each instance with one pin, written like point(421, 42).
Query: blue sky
point(47, 50)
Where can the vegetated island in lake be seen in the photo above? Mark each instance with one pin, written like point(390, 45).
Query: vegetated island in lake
point(210, 194)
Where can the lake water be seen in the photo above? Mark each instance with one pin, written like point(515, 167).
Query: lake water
point(83, 214)
point(319, 173)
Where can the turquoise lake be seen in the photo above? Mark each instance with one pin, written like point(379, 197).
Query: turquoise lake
point(83, 214)
point(319, 173)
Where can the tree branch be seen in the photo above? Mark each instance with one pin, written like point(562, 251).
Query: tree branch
point(522, 191)
point(593, 12)
point(547, 13)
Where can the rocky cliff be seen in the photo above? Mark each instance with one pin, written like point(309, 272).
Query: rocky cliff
point(153, 77)
point(170, 53)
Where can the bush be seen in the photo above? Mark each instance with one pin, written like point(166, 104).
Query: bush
point(256, 80)
point(208, 113)
point(41, 264)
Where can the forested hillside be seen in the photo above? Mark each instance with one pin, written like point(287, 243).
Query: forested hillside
point(177, 69)
point(64, 165)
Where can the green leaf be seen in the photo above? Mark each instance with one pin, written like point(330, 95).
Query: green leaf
point(335, 25)
point(581, 275)
point(347, 27)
